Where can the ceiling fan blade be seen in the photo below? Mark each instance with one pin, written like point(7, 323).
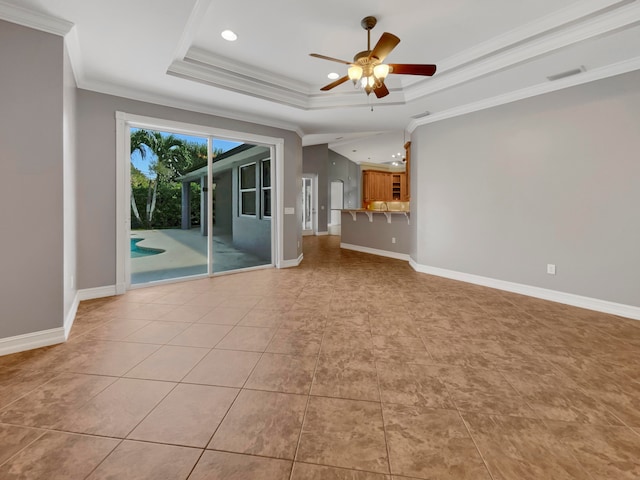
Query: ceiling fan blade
point(340, 81)
point(381, 91)
point(331, 59)
point(387, 42)
point(412, 69)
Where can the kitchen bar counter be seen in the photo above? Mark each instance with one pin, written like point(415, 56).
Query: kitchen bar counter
point(379, 232)
point(371, 212)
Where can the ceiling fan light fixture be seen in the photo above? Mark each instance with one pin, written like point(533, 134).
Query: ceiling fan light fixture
point(367, 71)
point(355, 73)
point(381, 71)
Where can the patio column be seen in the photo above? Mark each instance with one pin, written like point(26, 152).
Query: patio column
point(204, 201)
point(186, 205)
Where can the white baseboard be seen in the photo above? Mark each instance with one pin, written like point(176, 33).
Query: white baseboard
point(622, 310)
point(291, 263)
point(320, 234)
point(43, 338)
point(29, 341)
point(375, 251)
point(71, 315)
point(97, 292)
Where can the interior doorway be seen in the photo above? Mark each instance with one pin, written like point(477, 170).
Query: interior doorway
point(309, 204)
point(337, 204)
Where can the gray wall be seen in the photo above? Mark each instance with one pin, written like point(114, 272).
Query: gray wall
point(552, 179)
point(341, 168)
point(31, 197)
point(331, 166)
point(377, 234)
point(315, 159)
point(97, 182)
point(251, 234)
point(224, 206)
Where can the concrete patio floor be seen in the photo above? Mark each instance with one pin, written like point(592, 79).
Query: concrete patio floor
point(185, 254)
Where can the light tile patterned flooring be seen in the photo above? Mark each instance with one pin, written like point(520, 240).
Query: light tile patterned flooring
point(350, 367)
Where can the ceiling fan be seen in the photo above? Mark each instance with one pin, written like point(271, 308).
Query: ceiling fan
point(367, 67)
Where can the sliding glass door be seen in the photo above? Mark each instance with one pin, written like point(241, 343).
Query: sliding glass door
point(166, 226)
point(242, 203)
point(182, 224)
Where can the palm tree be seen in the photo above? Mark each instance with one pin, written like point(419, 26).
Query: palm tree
point(137, 145)
point(172, 158)
point(198, 152)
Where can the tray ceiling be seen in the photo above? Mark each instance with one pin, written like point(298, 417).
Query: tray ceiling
point(488, 53)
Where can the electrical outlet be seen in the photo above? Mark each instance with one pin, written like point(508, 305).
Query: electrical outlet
point(393, 239)
point(551, 269)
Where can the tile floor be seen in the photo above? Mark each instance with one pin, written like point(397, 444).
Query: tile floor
point(350, 367)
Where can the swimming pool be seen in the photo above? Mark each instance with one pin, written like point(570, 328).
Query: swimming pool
point(137, 251)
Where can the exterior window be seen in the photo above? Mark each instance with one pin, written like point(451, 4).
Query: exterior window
point(266, 188)
point(248, 190)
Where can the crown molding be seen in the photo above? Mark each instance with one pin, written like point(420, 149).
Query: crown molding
point(354, 98)
point(540, 89)
point(578, 22)
point(191, 27)
point(218, 62)
point(222, 72)
point(557, 19)
point(49, 24)
point(235, 82)
point(72, 42)
point(32, 19)
point(159, 99)
point(623, 17)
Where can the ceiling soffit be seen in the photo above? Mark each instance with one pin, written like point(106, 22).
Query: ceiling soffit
point(579, 22)
point(301, 107)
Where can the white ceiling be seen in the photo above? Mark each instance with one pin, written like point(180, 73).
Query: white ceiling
point(488, 53)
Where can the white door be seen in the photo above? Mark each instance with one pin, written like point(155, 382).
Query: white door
point(337, 204)
point(308, 207)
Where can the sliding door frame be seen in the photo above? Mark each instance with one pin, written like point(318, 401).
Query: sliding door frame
point(126, 121)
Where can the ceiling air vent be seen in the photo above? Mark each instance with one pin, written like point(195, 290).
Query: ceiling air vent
point(568, 73)
point(421, 115)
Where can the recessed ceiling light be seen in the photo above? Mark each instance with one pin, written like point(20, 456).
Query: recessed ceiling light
point(229, 36)
point(333, 75)
point(393, 156)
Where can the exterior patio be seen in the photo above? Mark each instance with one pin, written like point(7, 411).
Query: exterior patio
point(185, 254)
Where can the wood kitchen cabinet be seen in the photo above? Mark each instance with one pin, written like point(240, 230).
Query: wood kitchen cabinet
point(399, 187)
point(384, 186)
